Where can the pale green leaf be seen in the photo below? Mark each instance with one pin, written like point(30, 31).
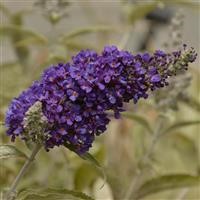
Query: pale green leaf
point(91, 159)
point(8, 64)
point(180, 125)
point(77, 45)
point(140, 10)
point(191, 102)
point(187, 3)
point(140, 119)
point(186, 149)
point(87, 30)
point(86, 174)
point(52, 194)
point(9, 151)
point(166, 182)
point(53, 59)
point(2, 123)
point(10, 30)
point(88, 157)
point(30, 41)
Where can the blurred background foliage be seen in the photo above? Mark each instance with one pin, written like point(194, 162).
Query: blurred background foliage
point(152, 152)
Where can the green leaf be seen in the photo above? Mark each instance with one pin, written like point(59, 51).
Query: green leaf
point(87, 30)
point(140, 119)
point(166, 182)
point(191, 102)
point(88, 157)
point(9, 151)
point(2, 123)
point(186, 149)
point(53, 59)
point(8, 64)
point(30, 41)
point(86, 175)
point(137, 11)
point(77, 45)
point(10, 30)
point(180, 125)
point(188, 3)
point(52, 194)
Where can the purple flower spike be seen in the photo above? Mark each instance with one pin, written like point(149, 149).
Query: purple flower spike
point(75, 96)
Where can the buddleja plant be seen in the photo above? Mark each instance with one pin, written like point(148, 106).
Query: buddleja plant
point(69, 105)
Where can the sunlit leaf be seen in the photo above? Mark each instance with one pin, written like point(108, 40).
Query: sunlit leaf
point(180, 125)
point(166, 182)
point(52, 194)
point(87, 30)
point(9, 151)
point(140, 119)
point(9, 30)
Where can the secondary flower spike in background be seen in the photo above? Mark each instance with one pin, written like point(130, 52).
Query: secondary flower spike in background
point(75, 96)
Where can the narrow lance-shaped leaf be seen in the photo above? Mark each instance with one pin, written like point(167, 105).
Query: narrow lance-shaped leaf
point(191, 102)
point(51, 194)
point(8, 30)
point(87, 156)
point(188, 3)
point(8, 64)
point(166, 182)
point(141, 120)
point(86, 30)
point(9, 151)
point(186, 149)
point(180, 125)
point(86, 174)
point(137, 11)
point(77, 45)
point(30, 41)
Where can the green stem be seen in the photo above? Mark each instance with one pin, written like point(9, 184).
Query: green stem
point(11, 193)
point(136, 181)
point(122, 44)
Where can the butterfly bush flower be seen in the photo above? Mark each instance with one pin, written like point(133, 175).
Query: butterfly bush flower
point(75, 96)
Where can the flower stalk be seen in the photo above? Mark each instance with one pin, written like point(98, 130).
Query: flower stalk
point(12, 191)
point(136, 181)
